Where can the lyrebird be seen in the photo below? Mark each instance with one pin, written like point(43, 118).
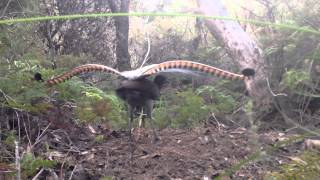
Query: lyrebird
point(138, 91)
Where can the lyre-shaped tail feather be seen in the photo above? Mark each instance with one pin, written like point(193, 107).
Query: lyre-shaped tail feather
point(194, 66)
point(81, 69)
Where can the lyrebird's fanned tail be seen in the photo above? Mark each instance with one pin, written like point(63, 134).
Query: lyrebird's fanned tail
point(194, 66)
point(81, 69)
point(173, 66)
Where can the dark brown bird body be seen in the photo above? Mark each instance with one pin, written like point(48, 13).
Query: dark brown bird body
point(140, 94)
point(134, 91)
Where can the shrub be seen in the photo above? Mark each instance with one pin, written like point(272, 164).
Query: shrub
point(189, 108)
point(305, 166)
point(293, 78)
point(92, 104)
point(31, 164)
point(218, 101)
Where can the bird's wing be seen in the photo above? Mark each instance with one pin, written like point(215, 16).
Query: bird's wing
point(184, 66)
point(81, 69)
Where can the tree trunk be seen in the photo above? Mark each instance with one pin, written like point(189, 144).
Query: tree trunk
point(240, 47)
point(122, 34)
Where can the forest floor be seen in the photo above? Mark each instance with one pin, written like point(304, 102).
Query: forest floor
point(198, 153)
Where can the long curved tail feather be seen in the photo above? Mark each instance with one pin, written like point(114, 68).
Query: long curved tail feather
point(194, 66)
point(81, 69)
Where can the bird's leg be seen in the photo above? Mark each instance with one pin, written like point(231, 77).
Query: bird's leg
point(131, 111)
point(149, 107)
point(141, 123)
point(155, 136)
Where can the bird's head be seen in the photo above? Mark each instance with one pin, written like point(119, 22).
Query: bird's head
point(160, 81)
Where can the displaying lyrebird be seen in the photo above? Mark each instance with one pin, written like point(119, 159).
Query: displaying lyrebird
point(138, 91)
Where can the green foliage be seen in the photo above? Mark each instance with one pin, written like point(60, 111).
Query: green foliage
point(107, 178)
point(93, 105)
point(30, 61)
point(293, 78)
point(31, 164)
point(184, 109)
point(306, 166)
point(70, 90)
point(4, 42)
point(162, 114)
point(315, 56)
point(219, 101)
point(21, 92)
point(99, 138)
point(189, 108)
point(11, 137)
point(248, 107)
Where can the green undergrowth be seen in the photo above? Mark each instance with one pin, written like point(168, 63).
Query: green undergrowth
point(177, 109)
point(9, 137)
point(92, 105)
point(95, 105)
point(293, 78)
point(21, 92)
point(190, 108)
point(31, 164)
point(305, 166)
